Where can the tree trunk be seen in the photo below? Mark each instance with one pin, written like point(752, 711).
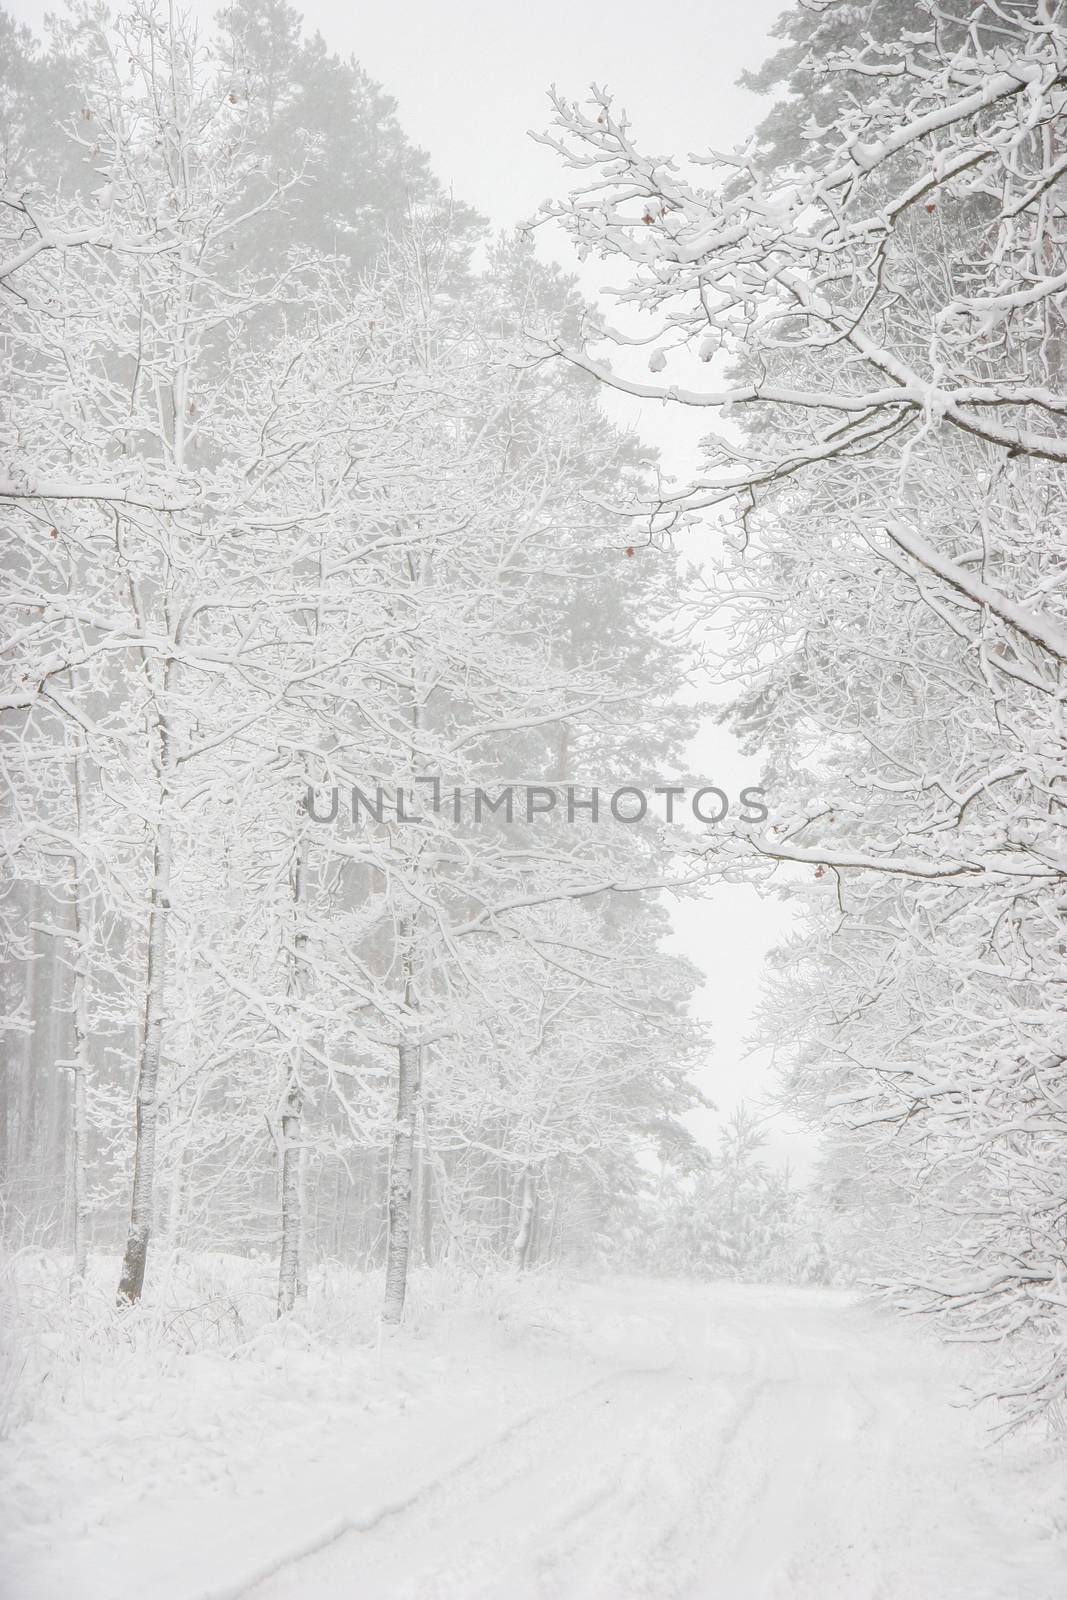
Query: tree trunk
point(426, 1206)
point(289, 1261)
point(135, 1258)
point(400, 1171)
point(80, 1118)
point(80, 1097)
point(292, 1282)
point(520, 1245)
point(402, 1148)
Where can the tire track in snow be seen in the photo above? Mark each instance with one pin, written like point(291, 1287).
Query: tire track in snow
point(567, 1481)
point(790, 1452)
point(500, 1510)
point(364, 1522)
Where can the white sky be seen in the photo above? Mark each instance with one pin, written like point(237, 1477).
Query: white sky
point(470, 80)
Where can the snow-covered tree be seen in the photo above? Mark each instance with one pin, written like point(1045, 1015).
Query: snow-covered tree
point(288, 533)
point(731, 1216)
point(878, 295)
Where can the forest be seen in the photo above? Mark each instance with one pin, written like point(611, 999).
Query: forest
point(354, 654)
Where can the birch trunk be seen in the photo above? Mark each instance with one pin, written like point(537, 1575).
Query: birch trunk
point(135, 1258)
point(289, 1260)
point(400, 1171)
point(79, 1096)
point(81, 1198)
point(409, 1072)
point(426, 1198)
point(291, 1281)
point(520, 1245)
point(83, 946)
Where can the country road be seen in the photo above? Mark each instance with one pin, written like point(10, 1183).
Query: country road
point(767, 1443)
point(610, 1440)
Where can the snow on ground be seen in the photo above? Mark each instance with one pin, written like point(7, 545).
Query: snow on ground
point(592, 1441)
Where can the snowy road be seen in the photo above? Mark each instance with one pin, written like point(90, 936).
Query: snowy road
point(602, 1441)
point(755, 1443)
